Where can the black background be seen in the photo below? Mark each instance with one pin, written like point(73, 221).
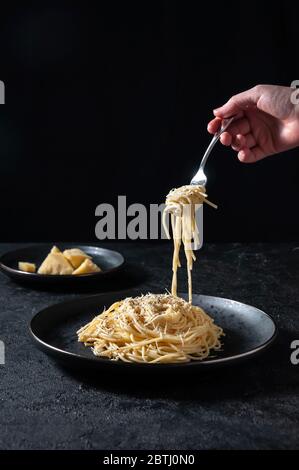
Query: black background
point(115, 98)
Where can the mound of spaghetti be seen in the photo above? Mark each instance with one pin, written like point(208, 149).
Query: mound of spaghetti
point(152, 328)
point(182, 204)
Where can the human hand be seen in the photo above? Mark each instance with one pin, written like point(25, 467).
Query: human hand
point(267, 122)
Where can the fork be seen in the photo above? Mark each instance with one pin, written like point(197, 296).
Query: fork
point(200, 177)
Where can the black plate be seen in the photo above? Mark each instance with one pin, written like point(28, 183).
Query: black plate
point(248, 330)
point(108, 260)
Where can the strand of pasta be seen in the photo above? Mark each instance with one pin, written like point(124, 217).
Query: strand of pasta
point(182, 204)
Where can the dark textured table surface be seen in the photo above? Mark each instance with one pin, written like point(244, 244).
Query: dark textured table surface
point(254, 405)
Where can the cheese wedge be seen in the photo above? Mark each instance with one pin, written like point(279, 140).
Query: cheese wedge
point(87, 267)
point(27, 267)
point(55, 263)
point(75, 256)
point(55, 250)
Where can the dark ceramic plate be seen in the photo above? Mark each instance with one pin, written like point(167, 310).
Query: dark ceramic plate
point(108, 260)
point(248, 330)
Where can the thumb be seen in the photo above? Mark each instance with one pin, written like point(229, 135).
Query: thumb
point(239, 102)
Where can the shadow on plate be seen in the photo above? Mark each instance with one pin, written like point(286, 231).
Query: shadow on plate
point(129, 276)
point(270, 372)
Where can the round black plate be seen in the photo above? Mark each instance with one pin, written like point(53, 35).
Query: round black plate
point(108, 260)
point(248, 332)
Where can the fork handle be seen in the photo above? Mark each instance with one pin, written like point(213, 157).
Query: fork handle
point(224, 125)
